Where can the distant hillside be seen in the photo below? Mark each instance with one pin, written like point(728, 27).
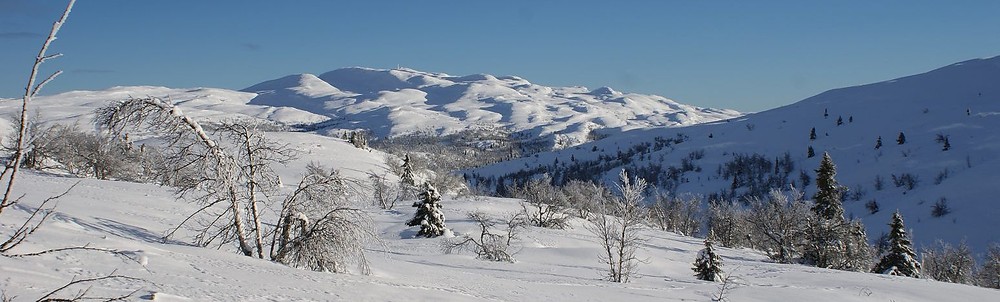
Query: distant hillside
point(959, 104)
point(404, 101)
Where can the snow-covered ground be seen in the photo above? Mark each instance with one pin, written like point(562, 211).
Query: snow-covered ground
point(552, 265)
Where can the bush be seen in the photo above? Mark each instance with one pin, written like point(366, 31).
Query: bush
point(940, 208)
point(320, 229)
point(491, 245)
point(906, 180)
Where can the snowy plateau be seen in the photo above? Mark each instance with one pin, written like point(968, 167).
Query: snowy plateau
point(960, 102)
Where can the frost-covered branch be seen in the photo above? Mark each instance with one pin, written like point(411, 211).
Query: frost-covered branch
point(30, 90)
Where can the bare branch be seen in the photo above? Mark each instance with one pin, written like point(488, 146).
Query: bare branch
point(46, 81)
point(82, 295)
point(30, 224)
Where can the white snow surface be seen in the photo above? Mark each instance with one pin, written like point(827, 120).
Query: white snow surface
point(552, 265)
point(961, 101)
point(404, 101)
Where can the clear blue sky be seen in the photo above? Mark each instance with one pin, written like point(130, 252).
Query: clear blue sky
point(746, 55)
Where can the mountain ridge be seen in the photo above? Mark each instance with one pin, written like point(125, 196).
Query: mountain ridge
point(392, 102)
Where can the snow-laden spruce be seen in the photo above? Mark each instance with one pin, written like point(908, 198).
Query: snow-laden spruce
point(429, 216)
point(901, 259)
point(708, 265)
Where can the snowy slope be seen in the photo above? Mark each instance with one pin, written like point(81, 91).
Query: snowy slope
point(960, 101)
point(403, 101)
point(553, 265)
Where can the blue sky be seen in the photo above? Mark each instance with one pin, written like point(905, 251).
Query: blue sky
point(745, 55)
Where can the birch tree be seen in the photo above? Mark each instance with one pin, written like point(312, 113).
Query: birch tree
point(617, 226)
point(206, 172)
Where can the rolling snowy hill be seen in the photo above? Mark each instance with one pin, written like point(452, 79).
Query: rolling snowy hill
point(960, 102)
point(552, 265)
point(403, 101)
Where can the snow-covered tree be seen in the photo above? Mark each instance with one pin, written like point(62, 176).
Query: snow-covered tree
point(828, 192)
point(778, 224)
point(948, 263)
point(358, 139)
point(708, 265)
point(407, 177)
point(989, 274)
point(901, 260)
point(727, 224)
point(204, 168)
point(832, 241)
point(254, 155)
point(617, 225)
point(679, 214)
point(429, 216)
point(584, 196)
point(320, 229)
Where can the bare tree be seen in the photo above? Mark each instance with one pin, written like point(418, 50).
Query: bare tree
point(207, 171)
point(778, 225)
point(384, 193)
point(491, 245)
point(584, 197)
point(727, 224)
point(544, 204)
point(681, 214)
point(255, 155)
point(617, 226)
point(320, 229)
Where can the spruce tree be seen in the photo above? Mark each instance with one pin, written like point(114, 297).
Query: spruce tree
point(812, 134)
point(901, 260)
point(708, 265)
point(407, 177)
point(901, 139)
point(810, 153)
point(878, 142)
point(828, 192)
point(429, 216)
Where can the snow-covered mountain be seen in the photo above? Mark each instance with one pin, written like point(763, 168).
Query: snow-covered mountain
point(960, 102)
point(404, 101)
